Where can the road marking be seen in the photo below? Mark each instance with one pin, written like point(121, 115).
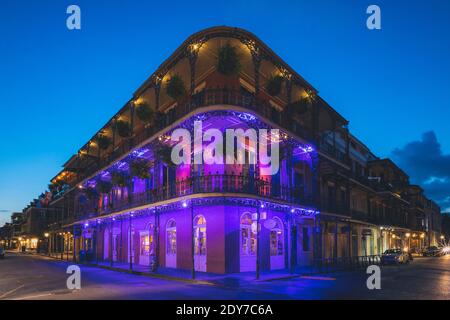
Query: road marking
point(11, 291)
point(318, 278)
point(33, 297)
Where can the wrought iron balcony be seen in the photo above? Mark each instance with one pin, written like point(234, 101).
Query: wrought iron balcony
point(207, 97)
point(217, 183)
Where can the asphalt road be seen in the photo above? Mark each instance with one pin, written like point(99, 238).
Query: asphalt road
point(32, 277)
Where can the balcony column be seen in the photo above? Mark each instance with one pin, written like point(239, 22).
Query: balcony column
point(157, 231)
point(336, 246)
point(157, 87)
point(192, 54)
point(192, 240)
point(317, 254)
point(315, 179)
point(130, 241)
point(349, 226)
point(315, 124)
point(289, 173)
point(61, 237)
point(347, 144)
point(111, 224)
point(258, 240)
point(95, 243)
point(334, 136)
point(293, 240)
point(132, 107)
point(256, 58)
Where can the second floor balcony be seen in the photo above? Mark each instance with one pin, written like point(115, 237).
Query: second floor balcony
point(220, 184)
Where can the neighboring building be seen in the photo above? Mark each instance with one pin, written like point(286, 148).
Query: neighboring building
point(445, 222)
point(6, 236)
point(434, 222)
point(121, 201)
point(33, 227)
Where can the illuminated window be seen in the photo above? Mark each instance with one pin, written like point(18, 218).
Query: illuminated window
point(146, 244)
point(199, 235)
point(171, 236)
point(276, 238)
point(248, 235)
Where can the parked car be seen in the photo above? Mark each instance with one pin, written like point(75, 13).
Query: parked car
point(432, 251)
point(2, 253)
point(395, 256)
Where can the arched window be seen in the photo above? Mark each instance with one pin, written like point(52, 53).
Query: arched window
point(171, 236)
point(248, 235)
point(146, 240)
point(199, 235)
point(276, 238)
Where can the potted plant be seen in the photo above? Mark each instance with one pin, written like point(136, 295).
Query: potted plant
point(145, 113)
point(140, 168)
point(104, 186)
point(273, 85)
point(91, 193)
point(175, 87)
point(119, 178)
point(123, 128)
point(164, 153)
point(228, 60)
point(103, 141)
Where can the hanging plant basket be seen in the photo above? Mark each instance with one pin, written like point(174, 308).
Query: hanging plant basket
point(273, 85)
point(140, 168)
point(175, 87)
point(104, 186)
point(119, 178)
point(299, 106)
point(145, 113)
point(228, 62)
point(103, 141)
point(91, 193)
point(164, 153)
point(123, 128)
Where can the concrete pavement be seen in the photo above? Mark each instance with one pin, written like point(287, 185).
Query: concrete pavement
point(32, 277)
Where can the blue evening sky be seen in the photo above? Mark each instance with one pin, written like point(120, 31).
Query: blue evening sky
point(57, 87)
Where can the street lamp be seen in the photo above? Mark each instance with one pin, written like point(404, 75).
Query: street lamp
point(408, 235)
point(47, 235)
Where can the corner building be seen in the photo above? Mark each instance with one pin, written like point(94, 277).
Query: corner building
point(120, 201)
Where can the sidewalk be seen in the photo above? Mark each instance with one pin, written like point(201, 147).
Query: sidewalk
point(206, 278)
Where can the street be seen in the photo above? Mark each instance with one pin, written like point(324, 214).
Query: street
point(35, 277)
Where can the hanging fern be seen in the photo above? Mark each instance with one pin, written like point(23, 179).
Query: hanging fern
point(91, 193)
point(164, 153)
point(104, 186)
point(273, 85)
point(119, 178)
point(123, 128)
point(103, 141)
point(228, 62)
point(140, 168)
point(145, 113)
point(175, 87)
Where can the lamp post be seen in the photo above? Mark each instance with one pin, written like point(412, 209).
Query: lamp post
point(408, 237)
point(46, 235)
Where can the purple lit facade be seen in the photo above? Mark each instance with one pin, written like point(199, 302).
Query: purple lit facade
point(219, 202)
point(124, 204)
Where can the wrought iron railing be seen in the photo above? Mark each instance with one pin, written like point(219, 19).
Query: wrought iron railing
point(206, 97)
point(215, 183)
point(327, 265)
